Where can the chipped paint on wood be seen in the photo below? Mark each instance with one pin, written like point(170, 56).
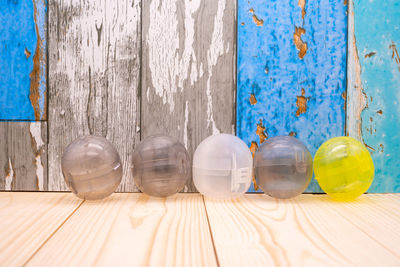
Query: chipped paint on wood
point(252, 99)
point(94, 59)
point(24, 146)
point(301, 45)
point(23, 60)
point(373, 81)
point(38, 146)
point(188, 69)
point(9, 176)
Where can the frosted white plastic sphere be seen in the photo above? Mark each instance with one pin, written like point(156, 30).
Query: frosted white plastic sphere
point(222, 166)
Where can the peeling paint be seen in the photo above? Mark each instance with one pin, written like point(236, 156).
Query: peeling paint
point(261, 131)
point(252, 99)
point(168, 69)
point(23, 60)
point(37, 147)
point(301, 103)
point(215, 50)
point(38, 71)
point(380, 112)
point(300, 45)
point(395, 54)
point(253, 149)
point(356, 97)
point(27, 53)
point(371, 54)
point(257, 21)
point(302, 5)
point(10, 175)
point(293, 134)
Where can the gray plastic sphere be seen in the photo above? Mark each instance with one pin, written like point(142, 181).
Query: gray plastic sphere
point(222, 166)
point(91, 167)
point(161, 166)
point(283, 167)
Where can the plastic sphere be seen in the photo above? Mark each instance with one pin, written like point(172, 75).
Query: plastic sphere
point(91, 167)
point(161, 166)
point(343, 168)
point(283, 167)
point(222, 166)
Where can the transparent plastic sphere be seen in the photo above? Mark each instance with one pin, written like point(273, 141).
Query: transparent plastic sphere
point(222, 166)
point(283, 167)
point(91, 167)
point(343, 168)
point(161, 166)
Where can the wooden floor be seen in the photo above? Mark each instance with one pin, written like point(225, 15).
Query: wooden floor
point(57, 229)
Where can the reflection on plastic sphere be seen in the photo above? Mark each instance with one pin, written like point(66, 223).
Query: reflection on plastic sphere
point(91, 167)
point(343, 168)
point(222, 166)
point(161, 166)
point(283, 167)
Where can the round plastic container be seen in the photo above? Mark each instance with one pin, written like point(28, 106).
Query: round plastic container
point(283, 167)
point(161, 166)
point(91, 167)
point(343, 168)
point(222, 166)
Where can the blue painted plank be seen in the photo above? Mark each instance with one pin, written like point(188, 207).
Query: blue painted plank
point(374, 86)
point(23, 60)
point(291, 71)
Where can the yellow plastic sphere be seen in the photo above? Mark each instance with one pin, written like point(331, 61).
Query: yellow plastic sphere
point(343, 168)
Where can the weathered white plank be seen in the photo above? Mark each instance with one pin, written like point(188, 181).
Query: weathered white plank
point(27, 221)
point(23, 156)
point(309, 230)
point(94, 66)
point(132, 230)
point(188, 69)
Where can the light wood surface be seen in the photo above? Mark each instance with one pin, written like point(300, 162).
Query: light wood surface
point(27, 221)
point(132, 229)
point(310, 230)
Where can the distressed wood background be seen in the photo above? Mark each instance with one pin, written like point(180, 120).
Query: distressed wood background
point(128, 69)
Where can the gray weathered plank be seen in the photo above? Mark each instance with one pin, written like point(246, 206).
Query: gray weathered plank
point(94, 67)
point(23, 156)
point(188, 69)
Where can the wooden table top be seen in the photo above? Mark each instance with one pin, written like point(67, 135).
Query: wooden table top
point(132, 229)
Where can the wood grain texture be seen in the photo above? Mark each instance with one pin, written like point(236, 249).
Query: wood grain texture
point(291, 71)
point(23, 156)
point(27, 220)
point(188, 80)
point(23, 60)
point(373, 85)
point(94, 67)
point(310, 230)
point(133, 230)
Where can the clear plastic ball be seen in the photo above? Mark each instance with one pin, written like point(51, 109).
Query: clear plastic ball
point(161, 166)
point(283, 167)
point(222, 166)
point(91, 167)
point(343, 168)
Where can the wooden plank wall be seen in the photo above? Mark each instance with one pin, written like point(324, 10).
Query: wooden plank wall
point(188, 70)
point(129, 69)
point(373, 114)
point(291, 71)
point(23, 60)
